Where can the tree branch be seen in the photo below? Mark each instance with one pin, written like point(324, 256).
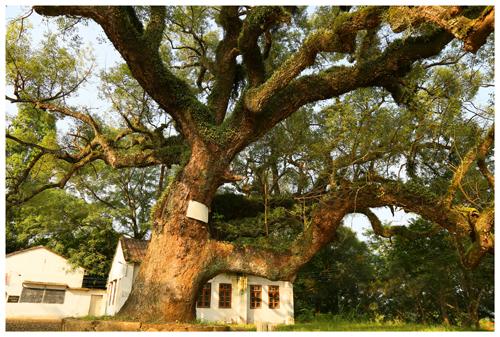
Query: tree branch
point(340, 38)
point(55, 152)
point(390, 231)
point(225, 62)
point(328, 215)
point(140, 50)
point(473, 32)
point(60, 184)
point(335, 81)
point(258, 20)
point(478, 151)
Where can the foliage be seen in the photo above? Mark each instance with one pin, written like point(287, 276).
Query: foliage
point(127, 194)
point(77, 230)
point(427, 274)
point(337, 279)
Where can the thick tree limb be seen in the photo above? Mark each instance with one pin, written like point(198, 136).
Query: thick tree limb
point(225, 62)
point(396, 60)
point(258, 21)
point(478, 151)
point(340, 38)
point(140, 50)
point(484, 239)
point(473, 32)
point(328, 215)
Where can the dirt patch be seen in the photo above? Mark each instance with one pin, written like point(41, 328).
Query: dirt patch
point(72, 324)
point(33, 324)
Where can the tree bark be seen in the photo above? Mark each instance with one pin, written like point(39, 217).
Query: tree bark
point(179, 256)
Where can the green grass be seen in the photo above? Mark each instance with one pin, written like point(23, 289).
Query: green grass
point(337, 323)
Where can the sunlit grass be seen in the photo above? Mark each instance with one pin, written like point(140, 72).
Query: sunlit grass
point(336, 323)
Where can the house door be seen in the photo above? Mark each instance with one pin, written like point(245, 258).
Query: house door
point(95, 305)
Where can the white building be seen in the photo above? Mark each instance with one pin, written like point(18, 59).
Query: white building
point(224, 298)
point(42, 284)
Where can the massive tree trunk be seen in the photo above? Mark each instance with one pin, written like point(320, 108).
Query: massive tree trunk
point(179, 255)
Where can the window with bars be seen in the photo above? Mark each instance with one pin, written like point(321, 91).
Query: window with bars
point(225, 295)
point(255, 296)
point(204, 296)
point(274, 297)
point(42, 295)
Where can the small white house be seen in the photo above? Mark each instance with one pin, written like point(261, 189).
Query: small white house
point(225, 298)
point(42, 284)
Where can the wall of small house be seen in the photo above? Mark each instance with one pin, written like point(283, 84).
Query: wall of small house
point(123, 273)
point(283, 314)
point(237, 313)
point(240, 311)
point(41, 265)
point(76, 304)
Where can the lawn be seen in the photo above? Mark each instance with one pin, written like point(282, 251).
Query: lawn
point(337, 323)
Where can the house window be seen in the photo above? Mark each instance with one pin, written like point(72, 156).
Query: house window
point(204, 296)
point(112, 292)
point(224, 295)
point(255, 296)
point(41, 295)
point(274, 297)
point(115, 288)
point(31, 295)
point(53, 296)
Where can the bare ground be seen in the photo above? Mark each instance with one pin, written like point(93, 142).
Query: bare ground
point(33, 324)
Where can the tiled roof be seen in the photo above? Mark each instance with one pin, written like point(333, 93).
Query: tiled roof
point(134, 250)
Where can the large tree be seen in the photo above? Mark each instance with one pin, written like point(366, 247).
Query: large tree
point(227, 76)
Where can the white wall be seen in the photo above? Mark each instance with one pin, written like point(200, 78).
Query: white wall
point(39, 265)
point(123, 273)
point(281, 315)
point(42, 265)
point(76, 304)
point(240, 311)
point(235, 314)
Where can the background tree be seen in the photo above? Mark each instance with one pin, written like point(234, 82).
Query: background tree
point(223, 78)
point(424, 280)
point(337, 279)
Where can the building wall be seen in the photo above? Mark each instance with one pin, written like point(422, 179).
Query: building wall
point(121, 276)
point(237, 313)
point(76, 304)
point(240, 311)
point(39, 265)
point(283, 314)
point(42, 265)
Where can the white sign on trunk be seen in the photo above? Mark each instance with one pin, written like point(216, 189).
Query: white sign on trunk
point(197, 210)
